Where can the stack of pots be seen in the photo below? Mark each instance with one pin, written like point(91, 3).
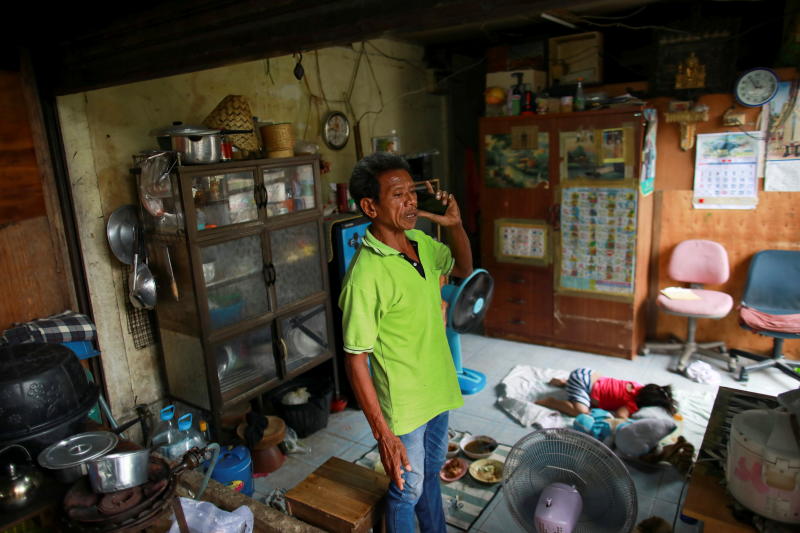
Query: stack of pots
point(91, 454)
point(45, 395)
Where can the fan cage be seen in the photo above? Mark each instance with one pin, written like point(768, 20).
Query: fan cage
point(568, 456)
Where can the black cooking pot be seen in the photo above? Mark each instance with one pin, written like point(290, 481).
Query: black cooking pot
point(44, 394)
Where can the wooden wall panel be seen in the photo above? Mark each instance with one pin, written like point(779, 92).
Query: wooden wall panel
point(775, 224)
point(22, 196)
point(31, 285)
point(34, 281)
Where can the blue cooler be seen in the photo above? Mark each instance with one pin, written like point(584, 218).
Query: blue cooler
point(235, 469)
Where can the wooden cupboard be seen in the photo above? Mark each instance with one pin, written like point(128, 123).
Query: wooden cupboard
point(566, 230)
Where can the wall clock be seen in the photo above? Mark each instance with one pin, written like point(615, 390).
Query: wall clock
point(756, 87)
point(336, 130)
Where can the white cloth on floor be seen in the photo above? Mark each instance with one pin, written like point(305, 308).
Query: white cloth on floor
point(523, 386)
point(702, 372)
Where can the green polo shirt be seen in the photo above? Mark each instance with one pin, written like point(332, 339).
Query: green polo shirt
point(393, 313)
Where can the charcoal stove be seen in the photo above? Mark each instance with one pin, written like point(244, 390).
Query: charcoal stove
point(131, 509)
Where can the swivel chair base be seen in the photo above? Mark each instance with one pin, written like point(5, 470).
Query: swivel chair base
point(690, 347)
point(777, 360)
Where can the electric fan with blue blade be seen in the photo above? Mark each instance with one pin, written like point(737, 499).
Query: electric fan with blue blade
point(467, 305)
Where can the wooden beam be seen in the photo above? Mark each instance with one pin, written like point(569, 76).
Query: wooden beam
point(173, 39)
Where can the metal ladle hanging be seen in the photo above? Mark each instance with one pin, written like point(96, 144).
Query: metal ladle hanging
point(143, 285)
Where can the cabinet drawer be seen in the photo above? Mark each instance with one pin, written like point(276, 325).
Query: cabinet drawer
point(523, 321)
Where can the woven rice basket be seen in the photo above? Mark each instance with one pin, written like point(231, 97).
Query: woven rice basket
point(277, 137)
point(233, 113)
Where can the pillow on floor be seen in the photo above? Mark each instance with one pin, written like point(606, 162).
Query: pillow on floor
point(652, 411)
point(642, 436)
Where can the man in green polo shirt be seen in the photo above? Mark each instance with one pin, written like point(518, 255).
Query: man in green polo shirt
point(392, 315)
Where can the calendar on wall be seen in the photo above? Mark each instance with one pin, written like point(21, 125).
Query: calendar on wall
point(726, 171)
point(522, 241)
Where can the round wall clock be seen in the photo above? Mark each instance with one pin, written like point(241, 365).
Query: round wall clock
point(336, 130)
point(756, 87)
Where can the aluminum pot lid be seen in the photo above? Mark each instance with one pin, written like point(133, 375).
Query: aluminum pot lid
point(180, 129)
point(77, 449)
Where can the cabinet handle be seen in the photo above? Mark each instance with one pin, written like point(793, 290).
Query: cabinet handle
point(284, 351)
point(264, 195)
point(265, 272)
point(518, 301)
point(272, 274)
point(518, 322)
point(518, 281)
point(257, 196)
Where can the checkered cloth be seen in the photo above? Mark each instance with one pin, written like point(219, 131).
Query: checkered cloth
point(68, 326)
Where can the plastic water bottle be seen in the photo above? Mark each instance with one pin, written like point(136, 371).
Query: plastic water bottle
point(579, 103)
point(188, 438)
point(166, 433)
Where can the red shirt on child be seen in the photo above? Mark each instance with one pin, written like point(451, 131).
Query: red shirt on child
point(611, 394)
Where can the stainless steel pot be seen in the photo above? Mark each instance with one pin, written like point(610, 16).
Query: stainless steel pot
point(196, 144)
point(68, 458)
point(118, 471)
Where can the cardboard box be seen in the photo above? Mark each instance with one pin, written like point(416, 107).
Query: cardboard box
point(537, 79)
point(576, 56)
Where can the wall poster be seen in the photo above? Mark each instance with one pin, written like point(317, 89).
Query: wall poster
point(510, 167)
point(782, 172)
point(647, 176)
point(522, 241)
point(592, 155)
point(726, 170)
point(598, 241)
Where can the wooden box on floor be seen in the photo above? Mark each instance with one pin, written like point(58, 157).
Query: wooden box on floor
point(339, 496)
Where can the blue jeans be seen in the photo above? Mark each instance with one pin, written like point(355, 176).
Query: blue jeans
point(426, 447)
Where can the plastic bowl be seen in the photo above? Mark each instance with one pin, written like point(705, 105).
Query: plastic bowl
point(478, 447)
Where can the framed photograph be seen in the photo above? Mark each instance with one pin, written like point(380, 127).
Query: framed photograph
point(507, 166)
point(387, 143)
point(612, 145)
point(522, 241)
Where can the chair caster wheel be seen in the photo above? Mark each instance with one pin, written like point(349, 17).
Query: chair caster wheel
point(743, 377)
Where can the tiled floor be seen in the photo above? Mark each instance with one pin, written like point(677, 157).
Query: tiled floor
point(348, 436)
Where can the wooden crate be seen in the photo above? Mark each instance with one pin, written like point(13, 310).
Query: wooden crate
point(339, 496)
point(576, 56)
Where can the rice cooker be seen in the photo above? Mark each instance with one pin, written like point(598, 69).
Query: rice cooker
point(763, 466)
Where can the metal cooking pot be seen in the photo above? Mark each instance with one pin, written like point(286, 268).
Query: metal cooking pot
point(197, 144)
point(68, 458)
point(118, 471)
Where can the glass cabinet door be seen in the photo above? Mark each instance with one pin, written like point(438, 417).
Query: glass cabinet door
point(296, 258)
point(305, 336)
point(233, 273)
point(224, 199)
point(289, 189)
point(245, 361)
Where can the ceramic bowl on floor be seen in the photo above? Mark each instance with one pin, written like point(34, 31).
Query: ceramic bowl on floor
point(478, 446)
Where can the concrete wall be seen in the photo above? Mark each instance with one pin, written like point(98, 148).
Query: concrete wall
point(102, 129)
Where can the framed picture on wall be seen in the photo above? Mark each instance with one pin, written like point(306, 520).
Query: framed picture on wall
point(522, 241)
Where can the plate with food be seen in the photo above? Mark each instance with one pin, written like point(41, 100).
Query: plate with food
point(453, 469)
point(486, 470)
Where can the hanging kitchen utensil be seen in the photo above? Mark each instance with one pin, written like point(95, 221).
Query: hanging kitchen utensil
point(143, 285)
point(154, 180)
point(120, 231)
point(172, 282)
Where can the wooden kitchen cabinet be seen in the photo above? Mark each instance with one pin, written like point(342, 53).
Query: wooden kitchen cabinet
point(565, 231)
point(250, 310)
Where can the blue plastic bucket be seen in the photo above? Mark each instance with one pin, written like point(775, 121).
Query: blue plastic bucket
point(235, 469)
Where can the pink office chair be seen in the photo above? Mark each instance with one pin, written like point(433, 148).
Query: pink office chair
point(697, 262)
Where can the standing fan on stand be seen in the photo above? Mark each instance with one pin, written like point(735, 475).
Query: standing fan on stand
point(467, 305)
point(559, 480)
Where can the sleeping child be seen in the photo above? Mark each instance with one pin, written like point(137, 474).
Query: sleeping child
point(587, 389)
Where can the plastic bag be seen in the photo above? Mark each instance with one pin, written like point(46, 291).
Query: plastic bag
point(292, 444)
point(205, 517)
point(298, 396)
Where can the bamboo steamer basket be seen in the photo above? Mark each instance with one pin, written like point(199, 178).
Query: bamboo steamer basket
point(278, 139)
point(233, 113)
